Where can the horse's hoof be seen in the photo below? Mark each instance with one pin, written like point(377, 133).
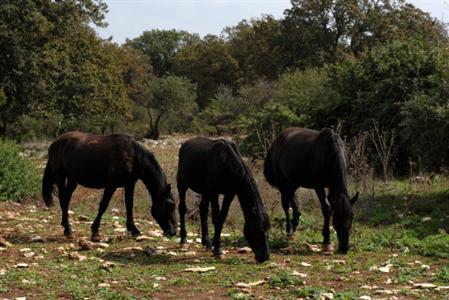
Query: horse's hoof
point(135, 234)
point(219, 255)
point(184, 245)
point(328, 248)
point(95, 238)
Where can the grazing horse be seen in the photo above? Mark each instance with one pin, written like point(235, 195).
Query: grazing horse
point(213, 167)
point(106, 162)
point(301, 157)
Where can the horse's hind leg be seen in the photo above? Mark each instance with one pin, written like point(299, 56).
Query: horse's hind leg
point(296, 212)
point(65, 194)
point(326, 210)
point(107, 195)
point(129, 199)
point(286, 198)
point(182, 212)
point(204, 211)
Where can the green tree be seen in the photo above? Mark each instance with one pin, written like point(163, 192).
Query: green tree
point(161, 46)
point(255, 45)
point(166, 96)
point(52, 62)
point(210, 64)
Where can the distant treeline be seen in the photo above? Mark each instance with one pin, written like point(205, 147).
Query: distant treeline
point(375, 71)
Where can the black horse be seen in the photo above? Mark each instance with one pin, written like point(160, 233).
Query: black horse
point(109, 162)
point(213, 167)
point(301, 157)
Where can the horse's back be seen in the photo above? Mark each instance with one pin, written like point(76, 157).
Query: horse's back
point(295, 158)
point(197, 168)
point(92, 160)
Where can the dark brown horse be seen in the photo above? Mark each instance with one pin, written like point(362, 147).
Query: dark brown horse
point(213, 167)
point(301, 157)
point(106, 162)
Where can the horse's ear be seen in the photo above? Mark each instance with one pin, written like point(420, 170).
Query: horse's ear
point(354, 199)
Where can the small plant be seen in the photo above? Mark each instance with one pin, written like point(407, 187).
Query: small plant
point(283, 280)
point(19, 177)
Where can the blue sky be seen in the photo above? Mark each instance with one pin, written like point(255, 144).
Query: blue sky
point(129, 18)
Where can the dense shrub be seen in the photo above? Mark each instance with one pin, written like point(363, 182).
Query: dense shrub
point(19, 177)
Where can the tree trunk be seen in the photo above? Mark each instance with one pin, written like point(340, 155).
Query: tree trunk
point(153, 133)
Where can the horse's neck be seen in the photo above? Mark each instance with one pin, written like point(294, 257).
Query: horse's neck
point(153, 178)
point(249, 198)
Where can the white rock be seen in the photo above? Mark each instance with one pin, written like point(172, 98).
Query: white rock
point(142, 238)
point(244, 250)
point(425, 285)
point(304, 264)
point(21, 265)
point(103, 285)
point(2, 272)
point(199, 269)
point(426, 219)
point(302, 275)
point(326, 296)
point(364, 297)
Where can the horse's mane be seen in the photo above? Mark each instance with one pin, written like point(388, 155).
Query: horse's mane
point(335, 152)
point(243, 173)
point(146, 158)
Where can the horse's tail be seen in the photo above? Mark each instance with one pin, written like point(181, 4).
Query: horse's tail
point(268, 170)
point(48, 185)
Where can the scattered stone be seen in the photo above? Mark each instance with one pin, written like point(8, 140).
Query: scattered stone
point(101, 245)
point(314, 248)
point(426, 219)
point(29, 254)
point(155, 233)
point(115, 211)
point(326, 296)
point(103, 285)
point(76, 256)
point(385, 269)
point(160, 278)
point(37, 239)
point(120, 230)
point(364, 297)
point(385, 292)
point(4, 243)
point(21, 265)
point(83, 218)
point(440, 288)
point(190, 253)
point(304, 264)
point(198, 240)
point(339, 261)
point(107, 265)
point(85, 244)
point(142, 238)
point(241, 285)
point(2, 272)
point(425, 285)
point(71, 212)
point(25, 250)
point(302, 275)
point(20, 298)
point(172, 253)
point(244, 250)
point(199, 269)
point(133, 249)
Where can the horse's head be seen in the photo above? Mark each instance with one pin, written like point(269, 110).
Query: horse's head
point(342, 220)
point(255, 230)
point(163, 211)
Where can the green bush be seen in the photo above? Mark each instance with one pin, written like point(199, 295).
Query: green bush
point(19, 178)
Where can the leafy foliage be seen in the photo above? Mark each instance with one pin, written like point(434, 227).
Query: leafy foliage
point(19, 177)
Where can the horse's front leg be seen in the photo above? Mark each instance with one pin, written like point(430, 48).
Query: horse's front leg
point(326, 210)
point(182, 208)
point(286, 198)
point(217, 225)
point(65, 194)
point(129, 199)
point(107, 195)
point(204, 211)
